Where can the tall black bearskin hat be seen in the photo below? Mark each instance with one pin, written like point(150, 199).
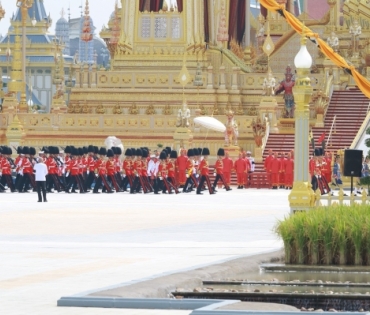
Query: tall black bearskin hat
point(74, 151)
point(102, 151)
point(168, 149)
point(67, 149)
point(191, 153)
point(145, 153)
point(221, 152)
point(32, 151)
point(26, 150)
point(10, 151)
point(205, 151)
point(163, 155)
point(56, 150)
point(2, 149)
point(110, 153)
point(80, 151)
point(128, 152)
point(46, 150)
point(173, 154)
point(90, 149)
point(19, 150)
point(114, 150)
point(317, 152)
point(49, 149)
point(200, 151)
point(85, 150)
point(118, 151)
point(197, 152)
point(96, 150)
point(139, 152)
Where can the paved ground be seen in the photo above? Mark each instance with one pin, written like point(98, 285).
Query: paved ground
point(77, 243)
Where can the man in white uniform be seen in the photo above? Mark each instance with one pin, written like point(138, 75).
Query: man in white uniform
point(40, 169)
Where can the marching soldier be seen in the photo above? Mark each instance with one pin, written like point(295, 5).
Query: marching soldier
point(219, 170)
point(163, 173)
point(73, 171)
point(171, 165)
point(204, 173)
point(6, 166)
point(111, 170)
point(101, 169)
point(127, 170)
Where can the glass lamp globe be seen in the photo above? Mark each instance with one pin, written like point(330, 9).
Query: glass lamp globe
point(303, 59)
point(34, 22)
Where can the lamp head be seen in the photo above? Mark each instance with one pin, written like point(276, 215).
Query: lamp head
point(303, 59)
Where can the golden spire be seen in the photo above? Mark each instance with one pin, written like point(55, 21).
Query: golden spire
point(16, 77)
point(303, 37)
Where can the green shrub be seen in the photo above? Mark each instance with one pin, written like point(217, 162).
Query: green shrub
point(327, 235)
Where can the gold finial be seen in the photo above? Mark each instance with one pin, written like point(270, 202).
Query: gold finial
point(303, 38)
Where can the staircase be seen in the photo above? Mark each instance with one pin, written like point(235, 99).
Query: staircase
point(349, 107)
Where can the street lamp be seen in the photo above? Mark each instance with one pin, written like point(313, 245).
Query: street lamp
point(24, 5)
point(302, 197)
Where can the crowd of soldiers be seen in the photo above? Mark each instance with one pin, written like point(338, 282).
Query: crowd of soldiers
point(98, 170)
point(325, 173)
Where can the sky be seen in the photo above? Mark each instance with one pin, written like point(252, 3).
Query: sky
point(100, 10)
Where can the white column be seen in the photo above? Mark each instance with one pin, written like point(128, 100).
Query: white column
point(196, 20)
point(210, 77)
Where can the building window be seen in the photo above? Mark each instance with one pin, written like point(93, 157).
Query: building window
point(176, 28)
point(160, 27)
point(145, 27)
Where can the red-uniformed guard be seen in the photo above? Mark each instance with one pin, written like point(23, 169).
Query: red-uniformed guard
point(204, 173)
point(163, 174)
point(219, 170)
point(181, 164)
point(101, 170)
point(267, 168)
point(171, 166)
point(73, 171)
point(275, 169)
point(111, 170)
point(228, 166)
point(26, 170)
point(191, 179)
point(127, 170)
point(240, 169)
point(6, 165)
point(288, 171)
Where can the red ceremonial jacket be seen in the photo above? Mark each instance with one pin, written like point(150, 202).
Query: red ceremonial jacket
point(240, 166)
point(5, 166)
point(219, 167)
point(204, 168)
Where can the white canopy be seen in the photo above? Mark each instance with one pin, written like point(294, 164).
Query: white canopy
point(210, 123)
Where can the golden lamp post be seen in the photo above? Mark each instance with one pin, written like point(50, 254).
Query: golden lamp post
point(302, 196)
point(24, 5)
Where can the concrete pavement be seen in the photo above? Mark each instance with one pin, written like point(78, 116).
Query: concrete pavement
point(77, 243)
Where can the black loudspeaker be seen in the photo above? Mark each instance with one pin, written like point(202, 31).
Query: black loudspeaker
point(352, 163)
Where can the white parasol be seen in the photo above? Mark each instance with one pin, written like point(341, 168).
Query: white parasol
point(210, 123)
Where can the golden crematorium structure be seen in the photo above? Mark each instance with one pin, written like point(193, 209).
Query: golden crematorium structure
point(202, 53)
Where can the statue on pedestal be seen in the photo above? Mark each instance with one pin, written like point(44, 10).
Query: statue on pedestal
point(333, 41)
point(355, 30)
point(231, 132)
point(117, 110)
point(269, 84)
point(287, 86)
point(183, 116)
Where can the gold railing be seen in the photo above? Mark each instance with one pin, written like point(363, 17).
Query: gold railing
point(341, 198)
